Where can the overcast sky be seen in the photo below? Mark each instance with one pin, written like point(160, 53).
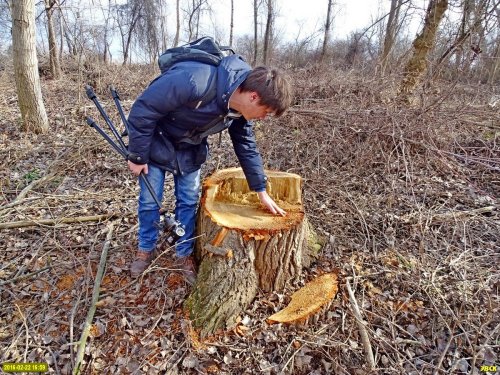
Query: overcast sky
point(307, 16)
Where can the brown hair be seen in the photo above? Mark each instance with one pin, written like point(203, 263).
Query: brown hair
point(272, 86)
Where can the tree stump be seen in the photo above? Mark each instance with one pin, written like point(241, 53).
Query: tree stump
point(242, 248)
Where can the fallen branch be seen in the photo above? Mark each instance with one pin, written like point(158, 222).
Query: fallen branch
point(25, 276)
point(447, 216)
point(443, 354)
point(31, 185)
point(95, 297)
point(62, 220)
point(365, 339)
point(17, 202)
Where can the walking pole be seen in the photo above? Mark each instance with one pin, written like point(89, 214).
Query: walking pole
point(124, 153)
point(92, 96)
point(116, 98)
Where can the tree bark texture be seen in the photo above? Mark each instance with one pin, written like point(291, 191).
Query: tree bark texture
point(255, 31)
point(241, 248)
point(390, 34)
point(423, 43)
point(29, 92)
point(177, 23)
point(55, 66)
point(328, 24)
point(231, 25)
point(268, 34)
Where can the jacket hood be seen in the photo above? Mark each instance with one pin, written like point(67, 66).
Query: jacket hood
point(231, 72)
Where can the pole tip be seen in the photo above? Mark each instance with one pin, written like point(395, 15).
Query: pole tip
point(90, 92)
point(90, 121)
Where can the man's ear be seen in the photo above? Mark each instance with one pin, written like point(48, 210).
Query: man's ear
point(254, 96)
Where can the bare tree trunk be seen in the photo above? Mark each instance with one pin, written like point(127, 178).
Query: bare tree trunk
point(390, 34)
point(466, 29)
point(463, 33)
point(163, 28)
point(55, 66)
point(106, 52)
point(495, 66)
point(29, 92)
point(231, 26)
point(196, 35)
point(328, 24)
point(267, 35)
point(136, 10)
point(178, 24)
point(61, 35)
point(255, 31)
point(422, 44)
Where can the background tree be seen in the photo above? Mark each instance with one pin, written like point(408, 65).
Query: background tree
point(390, 33)
point(29, 92)
point(55, 66)
point(148, 31)
point(328, 25)
point(268, 35)
point(194, 12)
point(356, 47)
point(470, 34)
point(178, 23)
point(494, 66)
point(127, 16)
point(5, 22)
point(255, 31)
point(107, 30)
point(422, 44)
point(231, 25)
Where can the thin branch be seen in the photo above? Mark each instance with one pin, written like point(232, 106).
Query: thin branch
point(57, 221)
point(30, 187)
point(95, 297)
point(361, 326)
point(25, 276)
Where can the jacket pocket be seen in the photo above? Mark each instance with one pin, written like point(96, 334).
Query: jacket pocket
point(201, 153)
point(162, 152)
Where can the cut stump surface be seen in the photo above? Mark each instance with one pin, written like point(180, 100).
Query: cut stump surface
point(242, 248)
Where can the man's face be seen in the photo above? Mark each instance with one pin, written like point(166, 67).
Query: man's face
point(253, 110)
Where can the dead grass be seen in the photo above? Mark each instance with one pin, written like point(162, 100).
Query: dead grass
point(396, 190)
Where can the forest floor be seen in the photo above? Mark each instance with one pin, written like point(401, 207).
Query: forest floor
point(407, 199)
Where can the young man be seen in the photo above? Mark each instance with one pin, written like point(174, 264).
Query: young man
point(169, 126)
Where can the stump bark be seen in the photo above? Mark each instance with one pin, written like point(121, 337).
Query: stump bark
point(242, 248)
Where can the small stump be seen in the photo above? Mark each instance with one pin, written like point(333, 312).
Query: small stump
point(242, 248)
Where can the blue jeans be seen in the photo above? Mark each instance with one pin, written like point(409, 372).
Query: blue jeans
point(187, 193)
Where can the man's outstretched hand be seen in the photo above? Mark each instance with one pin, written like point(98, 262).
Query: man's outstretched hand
point(271, 205)
point(137, 168)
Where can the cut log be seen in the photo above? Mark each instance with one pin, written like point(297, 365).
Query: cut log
point(242, 248)
point(308, 300)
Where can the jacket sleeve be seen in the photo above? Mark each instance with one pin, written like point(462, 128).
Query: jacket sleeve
point(166, 93)
point(243, 138)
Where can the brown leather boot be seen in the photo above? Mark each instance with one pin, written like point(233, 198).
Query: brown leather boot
point(141, 262)
point(186, 266)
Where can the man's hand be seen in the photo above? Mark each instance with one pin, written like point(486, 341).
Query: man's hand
point(271, 205)
point(137, 168)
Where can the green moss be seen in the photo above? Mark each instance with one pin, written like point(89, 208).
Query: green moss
point(315, 242)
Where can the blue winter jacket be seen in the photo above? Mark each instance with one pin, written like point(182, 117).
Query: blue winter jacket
point(167, 131)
